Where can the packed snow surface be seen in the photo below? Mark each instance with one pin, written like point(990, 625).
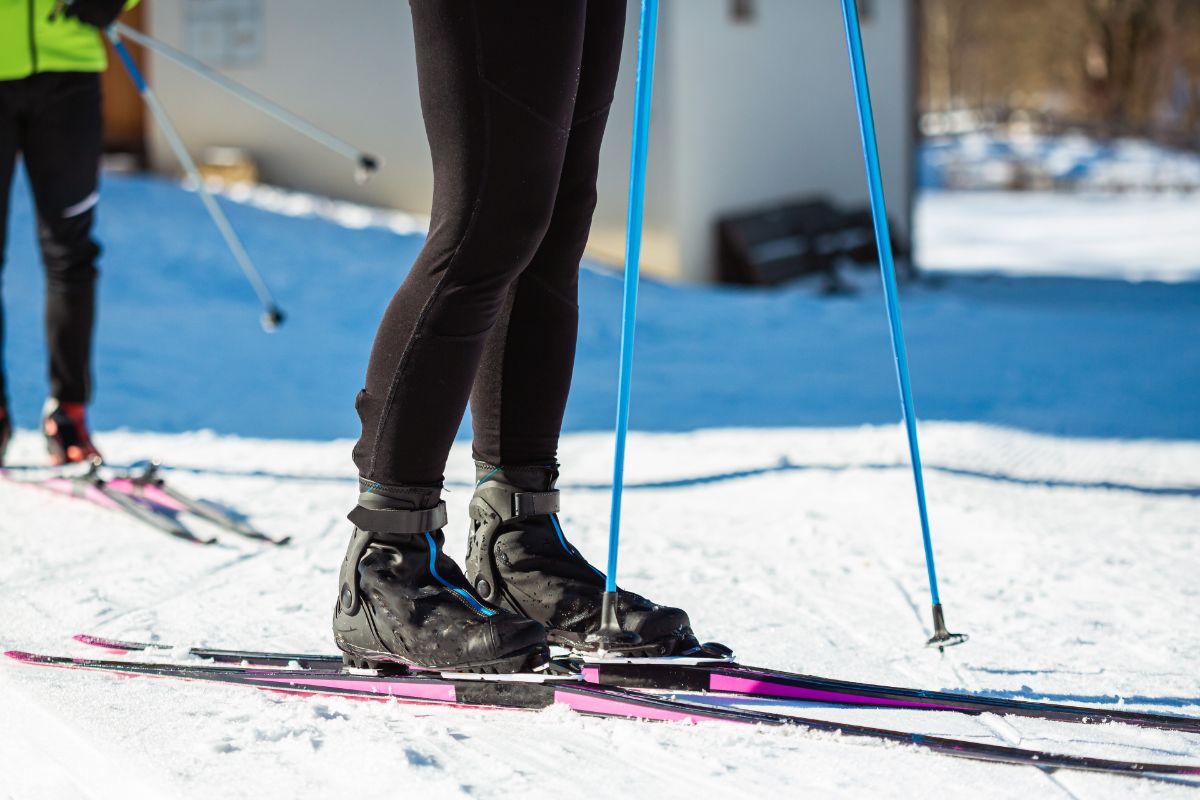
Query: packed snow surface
point(768, 494)
point(1004, 159)
point(1137, 237)
point(1071, 563)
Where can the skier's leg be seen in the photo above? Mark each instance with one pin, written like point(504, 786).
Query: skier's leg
point(519, 557)
point(498, 83)
point(521, 390)
point(8, 157)
point(61, 148)
point(498, 86)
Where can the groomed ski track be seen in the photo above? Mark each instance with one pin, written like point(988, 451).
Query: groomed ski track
point(823, 574)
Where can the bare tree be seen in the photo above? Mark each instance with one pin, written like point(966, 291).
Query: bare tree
point(1114, 66)
point(1121, 62)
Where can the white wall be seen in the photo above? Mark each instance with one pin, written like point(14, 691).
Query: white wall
point(660, 245)
point(743, 113)
point(765, 110)
point(349, 68)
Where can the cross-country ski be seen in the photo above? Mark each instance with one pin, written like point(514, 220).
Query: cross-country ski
point(141, 493)
point(532, 691)
point(713, 671)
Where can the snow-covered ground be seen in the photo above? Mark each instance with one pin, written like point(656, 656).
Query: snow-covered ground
point(1132, 211)
point(1001, 158)
point(1138, 237)
point(1072, 564)
point(768, 494)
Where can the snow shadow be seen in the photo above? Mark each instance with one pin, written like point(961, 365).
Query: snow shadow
point(179, 346)
point(1096, 699)
point(736, 475)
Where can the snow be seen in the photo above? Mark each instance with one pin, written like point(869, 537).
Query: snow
point(768, 493)
point(1015, 156)
point(1131, 212)
point(1137, 237)
point(1074, 578)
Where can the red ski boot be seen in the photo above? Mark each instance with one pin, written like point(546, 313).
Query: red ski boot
point(67, 438)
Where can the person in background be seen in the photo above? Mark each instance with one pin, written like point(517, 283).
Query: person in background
point(51, 57)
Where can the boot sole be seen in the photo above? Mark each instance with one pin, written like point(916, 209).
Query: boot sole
point(528, 659)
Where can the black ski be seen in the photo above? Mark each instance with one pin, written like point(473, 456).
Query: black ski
point(767, 683)
point(140, 492)
point(86, 483)
point(148, 484)
point(534, 691)
point(720, 677)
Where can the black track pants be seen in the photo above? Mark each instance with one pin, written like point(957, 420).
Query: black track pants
point(515, 97)
point(53, 121)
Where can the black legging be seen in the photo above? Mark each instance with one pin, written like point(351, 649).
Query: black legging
point(53, 120)
point(515, 98)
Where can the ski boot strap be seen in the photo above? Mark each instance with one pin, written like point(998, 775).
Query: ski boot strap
point(534, 504)
point(376, 520)
point(378, 514)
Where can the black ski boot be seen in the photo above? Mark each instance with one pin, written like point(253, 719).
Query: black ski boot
point(519, 559)
point(403, 601)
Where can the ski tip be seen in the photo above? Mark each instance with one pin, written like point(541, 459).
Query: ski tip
point(24, 657)
point(187, 536)
point(265, 540)
point(112, 645)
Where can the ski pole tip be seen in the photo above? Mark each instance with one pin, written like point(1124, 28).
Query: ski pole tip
point(611, 638)
point(943, 638)
point(272, 318)
point(368, 165)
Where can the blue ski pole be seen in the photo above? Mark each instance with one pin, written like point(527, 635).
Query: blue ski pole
point(866, 122)
point(610, 636)
point(272, 316)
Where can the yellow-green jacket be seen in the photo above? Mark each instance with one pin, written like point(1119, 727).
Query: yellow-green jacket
point(30, 42)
